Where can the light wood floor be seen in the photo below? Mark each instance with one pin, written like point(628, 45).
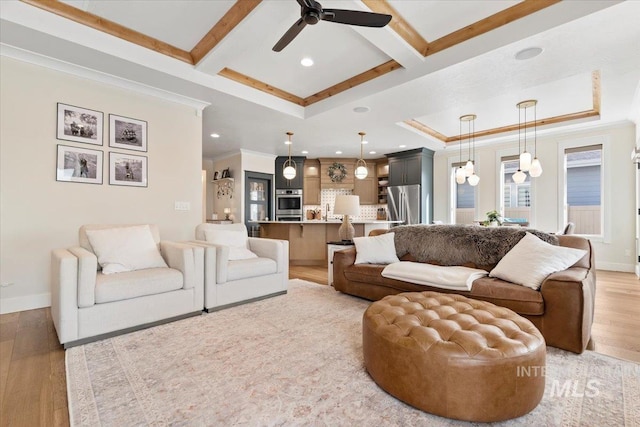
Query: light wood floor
point(32, 371)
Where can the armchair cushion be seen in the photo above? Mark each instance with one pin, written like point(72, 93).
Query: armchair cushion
point(243, 269)
point(133, 284)
point(122, 249)
point(235, 239)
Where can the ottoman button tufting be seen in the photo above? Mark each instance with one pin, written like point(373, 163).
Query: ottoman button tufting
point(453, 356)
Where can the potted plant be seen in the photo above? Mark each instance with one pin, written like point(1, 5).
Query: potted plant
point(494, 218)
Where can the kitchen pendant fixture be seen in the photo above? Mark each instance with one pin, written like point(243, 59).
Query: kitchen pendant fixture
point(361, 165)
point(469, 168)
point(289, 167)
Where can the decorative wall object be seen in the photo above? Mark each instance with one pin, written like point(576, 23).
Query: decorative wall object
point(79, 124)
point(127, 169)
point(337, 172)
point(127, 133)
point(79, 165)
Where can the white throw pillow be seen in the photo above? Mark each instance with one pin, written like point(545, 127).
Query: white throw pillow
point(125, 249)
point(531, 260)
point(376, 250)
point(236, 240)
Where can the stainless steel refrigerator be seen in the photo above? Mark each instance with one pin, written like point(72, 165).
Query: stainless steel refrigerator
point(404, 204)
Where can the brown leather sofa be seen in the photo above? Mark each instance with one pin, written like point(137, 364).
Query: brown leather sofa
point(562, 309)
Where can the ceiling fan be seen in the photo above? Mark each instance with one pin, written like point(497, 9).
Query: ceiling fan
point(312, 12)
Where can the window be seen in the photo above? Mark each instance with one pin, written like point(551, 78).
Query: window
point(516, 198)
point(583, 189)
point(464, 199)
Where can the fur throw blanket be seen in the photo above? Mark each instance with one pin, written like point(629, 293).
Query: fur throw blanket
point(479, 247)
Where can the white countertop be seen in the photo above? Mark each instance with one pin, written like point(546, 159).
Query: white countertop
point(331, 221)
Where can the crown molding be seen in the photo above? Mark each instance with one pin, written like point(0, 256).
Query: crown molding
point(98, 76)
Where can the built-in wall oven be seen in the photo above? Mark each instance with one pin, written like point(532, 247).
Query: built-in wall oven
point(288, 205)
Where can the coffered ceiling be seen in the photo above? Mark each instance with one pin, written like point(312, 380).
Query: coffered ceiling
point(435, 61)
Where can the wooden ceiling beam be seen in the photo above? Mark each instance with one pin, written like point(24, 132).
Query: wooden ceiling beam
point(261, 86)
point(94, 21)
point(354, 81)
point(489, 23)
point(399, 25)
point(238, 12)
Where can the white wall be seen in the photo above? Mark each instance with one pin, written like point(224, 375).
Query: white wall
point(619, 189)
point(38, 214)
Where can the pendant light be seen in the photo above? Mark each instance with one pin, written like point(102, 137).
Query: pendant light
point(361, 165)
point(536, 167)
point(469, 168)
point(460, 172)
point(525, 156)
point(519, 176)
point(289, 166)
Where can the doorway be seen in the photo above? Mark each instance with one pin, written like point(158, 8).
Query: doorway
point(257, 202)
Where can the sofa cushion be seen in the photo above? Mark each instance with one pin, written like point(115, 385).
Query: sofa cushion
point(530, 261)
point(122, 249)
point(243, 269)
point(133, 284)
point(376, 250)
point(518, 298)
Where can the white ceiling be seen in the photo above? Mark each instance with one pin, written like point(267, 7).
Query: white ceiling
point(477, 76)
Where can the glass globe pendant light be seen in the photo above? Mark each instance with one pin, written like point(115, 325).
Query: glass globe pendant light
point(289, 166)
point(469, 168)
point(361, 165)
point(536, 167)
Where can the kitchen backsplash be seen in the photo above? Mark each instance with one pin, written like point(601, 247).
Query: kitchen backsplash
point(328, 196)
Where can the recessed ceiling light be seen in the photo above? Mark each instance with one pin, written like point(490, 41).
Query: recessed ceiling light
point(528, 53)
point(215, 135)
point(361, 109)
point(306, 62)
point(287, 143)
point(372, 152)
point(338, 152)
point(364, 141)
point(304, 152)
point(401, 145)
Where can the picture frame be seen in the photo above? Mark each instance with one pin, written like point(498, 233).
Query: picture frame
point(215, 176)
point(226, 173)
point(127, 133)
point(79, 124)
point(127, 169)
point(75, 164)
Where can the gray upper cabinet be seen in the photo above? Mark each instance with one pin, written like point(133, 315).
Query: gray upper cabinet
point(296, 183)
point(413, 167)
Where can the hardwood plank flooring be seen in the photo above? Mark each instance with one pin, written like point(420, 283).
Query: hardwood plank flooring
point(33, 390)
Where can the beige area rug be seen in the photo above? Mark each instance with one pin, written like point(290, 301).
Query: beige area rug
point(297, 359)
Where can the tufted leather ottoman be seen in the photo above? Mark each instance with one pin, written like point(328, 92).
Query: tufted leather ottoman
point(454, 356)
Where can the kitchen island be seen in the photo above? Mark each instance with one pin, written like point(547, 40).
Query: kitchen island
point(308, 239)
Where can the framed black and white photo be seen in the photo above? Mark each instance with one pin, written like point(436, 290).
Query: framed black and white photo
point(79, 165)
point(127, 169)
point(127, 133)
point(79, 124)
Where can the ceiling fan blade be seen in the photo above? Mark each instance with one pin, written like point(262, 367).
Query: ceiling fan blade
point(290, 35)
point(356, 17)
point(305, 3)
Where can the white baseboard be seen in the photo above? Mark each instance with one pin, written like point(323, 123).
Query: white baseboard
point(30, 302)
point(616, 266)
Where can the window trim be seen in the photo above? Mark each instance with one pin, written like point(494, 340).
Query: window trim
point(451, 161)
point(605, 182)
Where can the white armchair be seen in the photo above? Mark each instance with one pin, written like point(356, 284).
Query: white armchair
point(233, 282)
point(88, 305)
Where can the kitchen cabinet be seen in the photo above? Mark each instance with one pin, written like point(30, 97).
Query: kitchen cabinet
point(311, 178)
point(367, 188)
point(413, 167)
point(337, 167)
point(382, 175)
point(405, 170)
point(296, 183)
